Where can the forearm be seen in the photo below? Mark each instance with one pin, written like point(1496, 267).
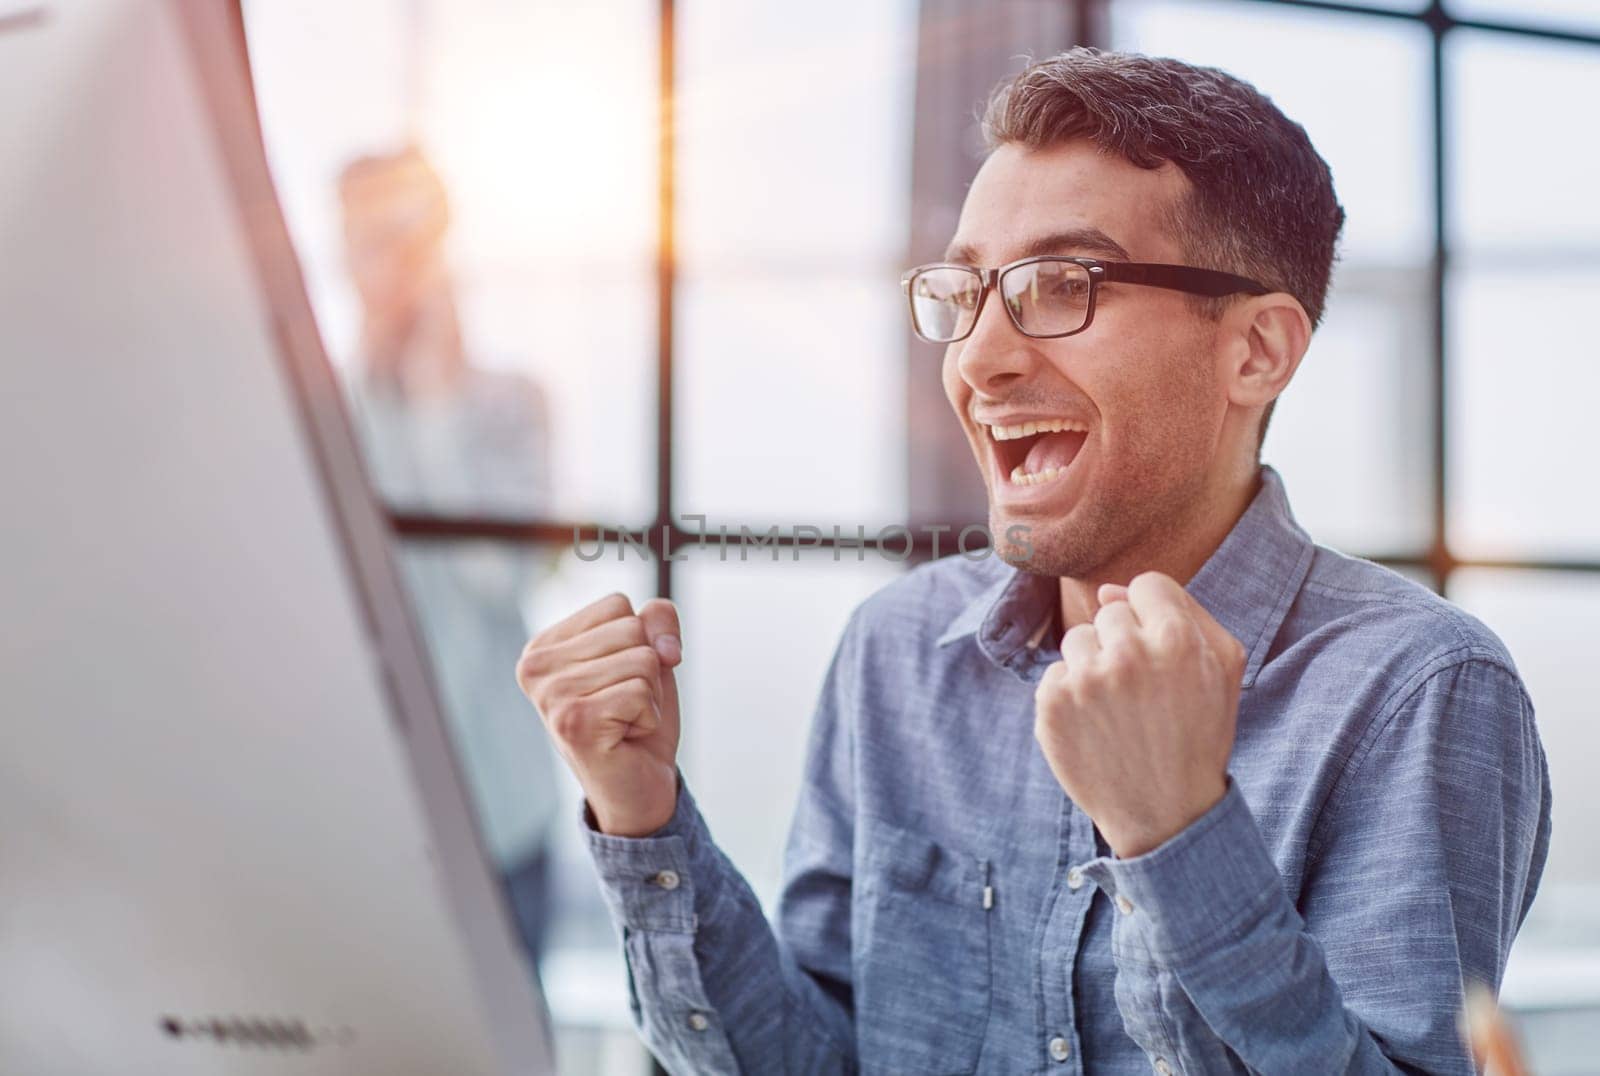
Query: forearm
point(713, 988)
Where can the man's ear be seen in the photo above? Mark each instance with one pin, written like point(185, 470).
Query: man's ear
point(1265, 336)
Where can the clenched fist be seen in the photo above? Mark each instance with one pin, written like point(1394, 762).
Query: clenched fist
point(603, 683)
point(1137, 718)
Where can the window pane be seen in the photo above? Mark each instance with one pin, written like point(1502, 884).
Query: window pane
point(1524, 178)
point(795, 126)
point(747, 701)
point(794, 133)
point(500, 359)
point(782, 419)
point(1525, 273)
point(478, 603)
point(1525, 372)
point(1560, 14)
point(1351, 434)
point(1548, 620)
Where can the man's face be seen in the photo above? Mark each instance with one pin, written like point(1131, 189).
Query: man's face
point(1142, 380)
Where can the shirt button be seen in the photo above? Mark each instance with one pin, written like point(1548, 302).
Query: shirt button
point(698, 1021)
point(1125, 906)
point(666, 879)
point(1060, 1049)
point(1162, 1068)
point(1074, 878)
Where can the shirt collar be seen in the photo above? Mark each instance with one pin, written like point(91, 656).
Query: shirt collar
point(1247, 584)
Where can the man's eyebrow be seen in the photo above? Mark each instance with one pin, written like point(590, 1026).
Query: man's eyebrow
point(1071, 241)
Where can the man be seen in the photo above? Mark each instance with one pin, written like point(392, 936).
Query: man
point(442, 435)
point(1170, 787)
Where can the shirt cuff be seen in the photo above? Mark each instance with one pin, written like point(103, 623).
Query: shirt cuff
point(659, 882)
point(1200, 888)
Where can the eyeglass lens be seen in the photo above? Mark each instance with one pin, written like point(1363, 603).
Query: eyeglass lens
point(1044, 298)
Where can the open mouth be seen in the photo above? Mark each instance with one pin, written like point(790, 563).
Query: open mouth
point(1033, 453)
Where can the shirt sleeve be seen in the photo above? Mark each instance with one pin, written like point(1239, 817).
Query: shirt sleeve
point(1419, 872)
point(713, 986)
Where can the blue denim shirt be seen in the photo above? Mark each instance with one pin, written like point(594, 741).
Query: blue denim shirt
point(947, 909)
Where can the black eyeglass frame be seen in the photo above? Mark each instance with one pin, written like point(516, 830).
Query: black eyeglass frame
point(1212, 283)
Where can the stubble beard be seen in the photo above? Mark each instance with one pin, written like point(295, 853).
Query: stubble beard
point(1094, 537)
point(1073, 547)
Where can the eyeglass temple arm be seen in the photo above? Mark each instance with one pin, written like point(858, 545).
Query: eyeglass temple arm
point(1209, 282)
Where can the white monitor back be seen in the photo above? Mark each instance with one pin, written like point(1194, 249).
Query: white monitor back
point(233, 836)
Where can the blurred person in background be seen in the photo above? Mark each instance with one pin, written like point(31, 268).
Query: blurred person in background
point(444, 435)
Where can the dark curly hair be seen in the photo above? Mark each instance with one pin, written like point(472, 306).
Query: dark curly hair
point(1262, 203)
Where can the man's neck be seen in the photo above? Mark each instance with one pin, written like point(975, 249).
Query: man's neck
point(1188, 549)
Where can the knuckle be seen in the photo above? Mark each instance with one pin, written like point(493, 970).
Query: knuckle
point(637, 692)
point(558, 687)
point(635, 634)
point(1118, 663)
point(658, 607)
point(1151, 580)
point(534, 663)
point(1171, 636)
point(644, 659)
point(1080, 634)
point(1087, 679)
point(567, 719)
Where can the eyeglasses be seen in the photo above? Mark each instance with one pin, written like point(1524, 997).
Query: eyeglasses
point(1047, 296)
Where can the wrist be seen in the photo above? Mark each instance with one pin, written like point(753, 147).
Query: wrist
point(1136, 834)
point(637, 819)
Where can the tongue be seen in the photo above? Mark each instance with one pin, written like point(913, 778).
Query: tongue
point(1053, 450)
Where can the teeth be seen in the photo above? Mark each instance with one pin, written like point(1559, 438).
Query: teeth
point(1033, 478)
point(1028, 429)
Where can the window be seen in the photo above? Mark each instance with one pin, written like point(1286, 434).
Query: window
point(703, 320)
point(791, 217)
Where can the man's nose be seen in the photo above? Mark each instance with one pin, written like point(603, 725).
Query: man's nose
point(996, 353)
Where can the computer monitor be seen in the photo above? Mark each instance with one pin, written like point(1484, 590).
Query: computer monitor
point(233, 835)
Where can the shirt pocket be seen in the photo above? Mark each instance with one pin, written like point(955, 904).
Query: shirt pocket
point(921, 954)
